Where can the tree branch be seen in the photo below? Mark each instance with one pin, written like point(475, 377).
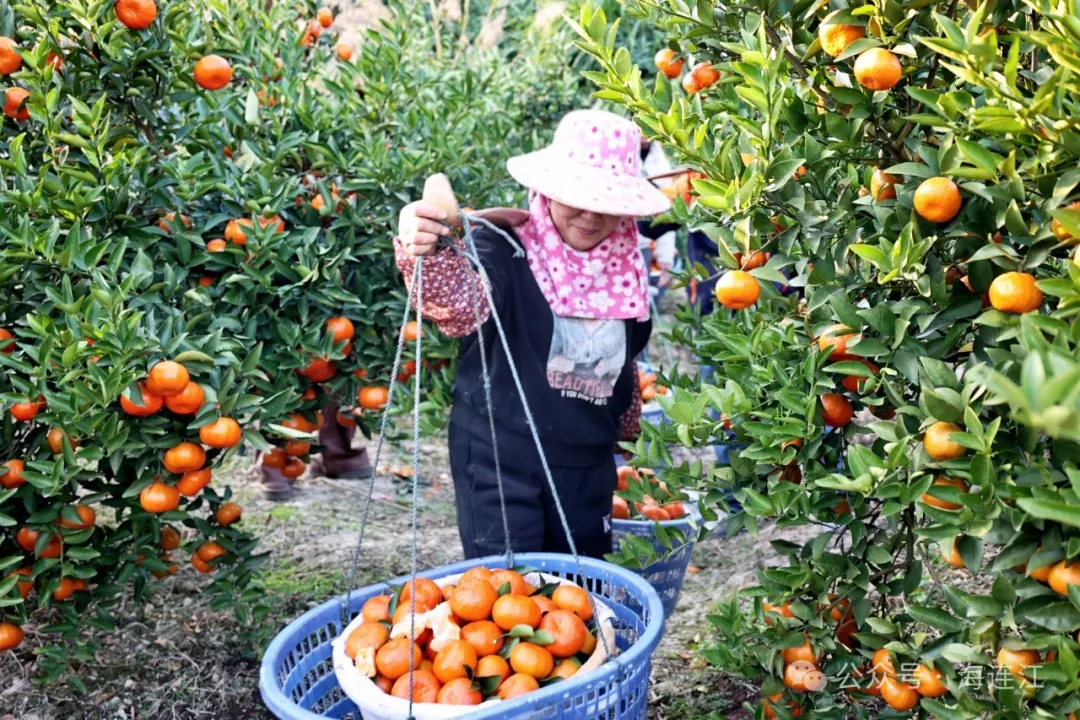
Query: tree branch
point(800, 69)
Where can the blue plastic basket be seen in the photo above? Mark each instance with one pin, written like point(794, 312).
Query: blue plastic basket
point(666, 575)
point(297, 678)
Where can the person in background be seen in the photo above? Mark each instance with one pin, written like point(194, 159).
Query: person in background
point(576, 313)
point(339, 459)
point(655, 162)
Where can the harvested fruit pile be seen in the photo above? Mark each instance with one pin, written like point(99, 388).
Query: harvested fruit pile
point(648, 508)
point(649, 388)
point(489, 635)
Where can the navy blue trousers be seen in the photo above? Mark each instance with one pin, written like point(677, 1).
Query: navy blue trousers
point(585, 494)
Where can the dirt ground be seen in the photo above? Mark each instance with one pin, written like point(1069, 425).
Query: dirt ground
point(175, 657)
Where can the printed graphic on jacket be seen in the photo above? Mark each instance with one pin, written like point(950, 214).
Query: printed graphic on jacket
point(586, 357)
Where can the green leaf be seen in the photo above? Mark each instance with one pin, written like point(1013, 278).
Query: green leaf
point(1051, 510)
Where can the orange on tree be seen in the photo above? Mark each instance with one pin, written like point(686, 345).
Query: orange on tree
point(1062, 575)
point(294, 468)
point(149, 405)
point(221, 433)
point(928, 681)
point(157, 497)
point(1015, 292)
point(951, 555)
point(881, 663)
point(801, 652)
point(835, 37)
point(1017, 661)
point(56, 438)
point(325, 17)
point(228, 513)
point(485, 636)
point(24, 586)
point(275, 458)
point(775, 700)
point(25, 411)
point(67, 588)
point(412, 331)
point(297, 448)
point(213, 72)
point(945, 504)
point(737, 290)
point(345, 51)
point(517, 685)
point(1060, 231)
point(208, 552)
point(459, 691)
point(319, 370)
point(167, 378)
point(87, 518)
point(216, 245)
point(184, 457)
point(797, 676)
point(136, 14)
point(192, 482)
point(668, 62)
point(836, 410)
point(898, 695)
point(170, 539)
point(877, 69)
point(10, 60)
point(5, 346)
point(854, 383)
point(187, 401)
point(883, 185)
point(11, 474)
point(835, 340)
point(702, 76)
point(165, 223)
point(937, 199)
point(938, 444)
point(15, 103)
point(341, 328)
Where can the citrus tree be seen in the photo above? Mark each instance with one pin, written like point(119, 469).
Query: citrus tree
point(891, 189)
point(198, 210)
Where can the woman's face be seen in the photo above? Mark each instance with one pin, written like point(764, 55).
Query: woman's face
point(581, 229)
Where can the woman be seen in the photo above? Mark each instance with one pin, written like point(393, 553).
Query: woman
point(576, 313)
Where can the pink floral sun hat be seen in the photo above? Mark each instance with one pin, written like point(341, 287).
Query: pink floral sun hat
point(594, 163)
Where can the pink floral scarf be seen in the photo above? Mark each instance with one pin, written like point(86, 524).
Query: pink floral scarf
point(609, 282)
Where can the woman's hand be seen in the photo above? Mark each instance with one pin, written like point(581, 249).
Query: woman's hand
point(419, 228)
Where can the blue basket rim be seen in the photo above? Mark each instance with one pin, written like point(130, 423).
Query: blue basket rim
point(692, 514)
point(649, 638)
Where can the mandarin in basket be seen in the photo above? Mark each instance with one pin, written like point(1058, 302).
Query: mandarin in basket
point(544, 602)
point(476, 573)
point(574, 599)
point(473, 601)
point(567, 629)
point(392, 659)
point(566, 669)
point(485, 637)
point(517, 685)
point(531, 659)
point(425, 687)
point(518, 586)
point(405, 608)
point(492, 665)
point(377, 609)
point(366, 635)
point(384, 683)
point(512, 610)
point(590, 644)
point(456, 660)
point(427, 592)
point(460, 691)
